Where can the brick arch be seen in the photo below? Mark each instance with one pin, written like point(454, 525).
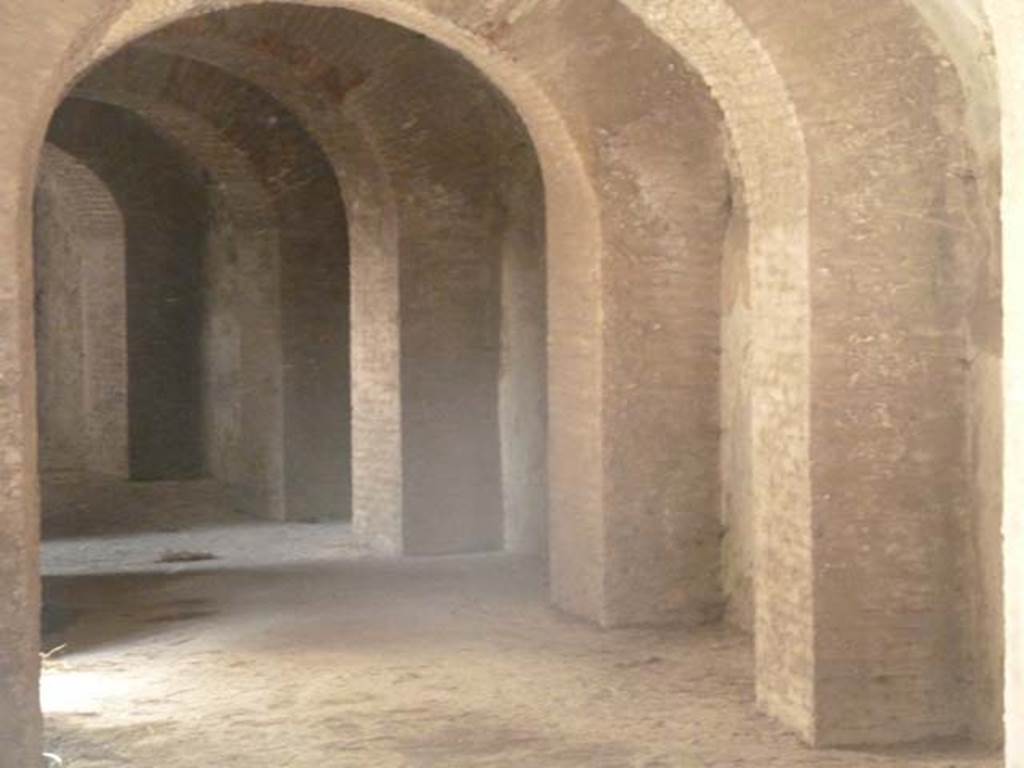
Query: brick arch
point(577, 251)
point(163, 202)
point(777, 117)
point(256, 476)
point(349, 143)
point(573, 334)
point(80, 201)
point(772, 162)
point(300, 70)
point(574, 240)
point(311, 230)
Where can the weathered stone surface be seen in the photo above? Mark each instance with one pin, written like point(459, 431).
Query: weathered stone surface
point(163, 202)
point(81, 338)
point(1007, 21)
point(773, 355)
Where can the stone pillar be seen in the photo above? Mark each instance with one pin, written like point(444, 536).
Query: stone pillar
point(634, 430)
point(376, 364)
point(104, 328)
point(20, 721)
point(315, 341)
point(443, 295)
point(1007, 21)
point(79, 255)
point(450, 308)
point(862, 625)
point(59, 342)
point(523, 366)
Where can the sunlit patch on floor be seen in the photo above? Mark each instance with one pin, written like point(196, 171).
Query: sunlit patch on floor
point(64, 690)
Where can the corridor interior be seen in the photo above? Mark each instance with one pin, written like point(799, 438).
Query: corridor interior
point(293, 333)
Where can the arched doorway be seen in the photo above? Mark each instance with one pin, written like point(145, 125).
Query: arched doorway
point(597, 569)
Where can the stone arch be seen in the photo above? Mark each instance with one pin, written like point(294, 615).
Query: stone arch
point(349, 144)
point(753, 96)
point(163, 201)
point(298, 75)
point(577, 262)
point(759, 78)
point(371, 211)
point(899, 220)
point(311, 230)
point(714, 40)
point(253, 467)
point(343, 129)
point(565, 178)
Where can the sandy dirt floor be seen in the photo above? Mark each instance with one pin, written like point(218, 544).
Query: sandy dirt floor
point(360, 662)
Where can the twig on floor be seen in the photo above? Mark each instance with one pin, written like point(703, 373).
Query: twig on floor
point(46, 656)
